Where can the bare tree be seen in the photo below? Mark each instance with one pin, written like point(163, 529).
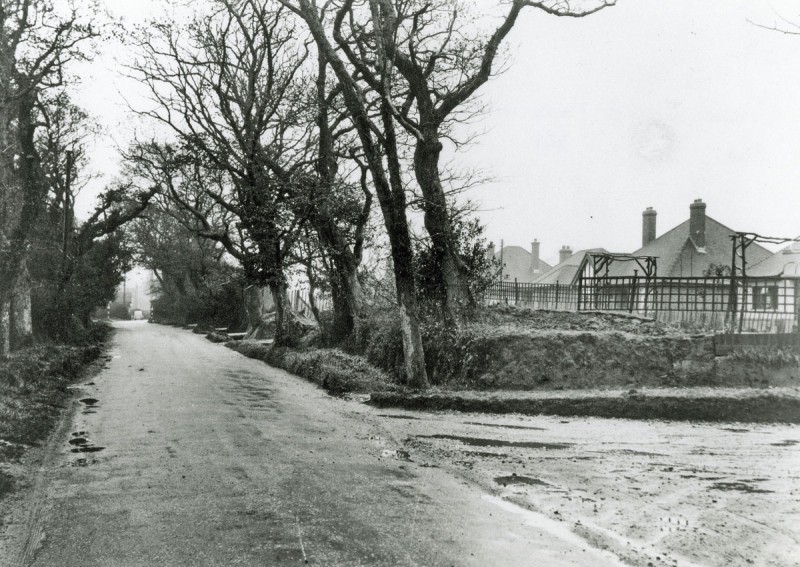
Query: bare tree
point(37, 43)
point(222, 85)
point(444, 61)
point(379, 146)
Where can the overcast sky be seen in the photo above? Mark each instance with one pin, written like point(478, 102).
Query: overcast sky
point(648, 103)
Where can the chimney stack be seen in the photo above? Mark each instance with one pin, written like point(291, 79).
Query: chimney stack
point(697, 223)
point(564, 253)
point(534, 256)
point(648, 226)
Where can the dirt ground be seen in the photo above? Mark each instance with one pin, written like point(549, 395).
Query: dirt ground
point(653, 493)
point(182, 452)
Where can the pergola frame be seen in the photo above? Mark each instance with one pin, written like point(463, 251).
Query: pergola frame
point(601, 263)
point(740, 241)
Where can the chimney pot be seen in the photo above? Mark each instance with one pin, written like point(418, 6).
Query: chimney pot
point(564, 253)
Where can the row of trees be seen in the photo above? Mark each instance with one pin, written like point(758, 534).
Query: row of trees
point(53, 271)
point(288, 116)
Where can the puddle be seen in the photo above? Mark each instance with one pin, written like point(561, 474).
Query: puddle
point(89, 401)
point(393, 416)
point(519, 479)
point(504, 426)
point(785, 443)
point(79, 441)
point(481, 442)
point(87, 449)
point(640, 453)
point(738, 487)
point(735, 430)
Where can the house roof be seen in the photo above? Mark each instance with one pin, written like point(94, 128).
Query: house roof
point(517, 264)
point(567, 271)
point(784, 263)
point(678, 256)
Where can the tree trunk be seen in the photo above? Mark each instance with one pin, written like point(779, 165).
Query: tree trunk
point(394, 211)
point(5, 326)
point(348, 299)
point(280, 296)
point(391, 196)
point(260, 309)
point(346, 294)
point(21, 331)
point(290, 327)
point(458, 296)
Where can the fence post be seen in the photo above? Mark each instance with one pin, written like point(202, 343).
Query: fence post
point(557, 296)
point(516, 292)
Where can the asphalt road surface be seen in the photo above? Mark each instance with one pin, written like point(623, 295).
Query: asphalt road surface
point(183, 452)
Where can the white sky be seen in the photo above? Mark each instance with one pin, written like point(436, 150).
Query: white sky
point(648, 103)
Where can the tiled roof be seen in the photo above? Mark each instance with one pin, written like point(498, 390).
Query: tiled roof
point(517, 264)
point(567, 271)
point(678, 256)
point(784, 263)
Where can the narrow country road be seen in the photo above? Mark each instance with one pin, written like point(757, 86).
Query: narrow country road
point(183, 452)
point(186, 453)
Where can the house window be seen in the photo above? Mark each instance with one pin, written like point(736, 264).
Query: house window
point(765, 298)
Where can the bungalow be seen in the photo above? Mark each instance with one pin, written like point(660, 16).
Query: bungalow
point(519, 264)
point(699, 246)
point(773, 288)
point(566, 272)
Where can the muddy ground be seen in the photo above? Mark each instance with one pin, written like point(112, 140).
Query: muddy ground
point(759, 405)
point(181, 452)
point(653, 493)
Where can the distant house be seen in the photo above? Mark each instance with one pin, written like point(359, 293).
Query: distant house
point(518, 263)
point(692, 282)
point(566, 271)
point(690, 249)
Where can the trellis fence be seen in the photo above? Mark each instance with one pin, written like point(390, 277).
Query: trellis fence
point(756, 305)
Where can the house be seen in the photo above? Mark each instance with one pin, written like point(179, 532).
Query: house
point(566, 271)
point(783, 264)
point(695, 248)
point(773, 288)
point(519, 264)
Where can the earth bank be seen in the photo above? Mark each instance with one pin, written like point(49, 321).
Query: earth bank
point(539, 362)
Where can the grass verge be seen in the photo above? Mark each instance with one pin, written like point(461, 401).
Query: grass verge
point(333, 370)
point(33, 393)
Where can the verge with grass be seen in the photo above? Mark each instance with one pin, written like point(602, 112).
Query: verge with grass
point(335, 371)
point(34, 392)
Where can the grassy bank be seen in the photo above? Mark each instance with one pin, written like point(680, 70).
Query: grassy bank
point(33, 393)
point(335, 371)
